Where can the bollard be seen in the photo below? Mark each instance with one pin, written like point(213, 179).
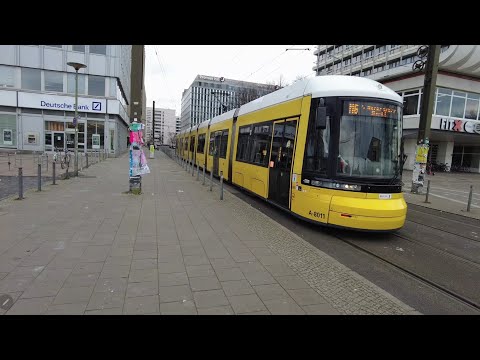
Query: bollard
point(203, 174)
point(86, 160)
point(211, 180)
point(193, 168)
point(8, 161)
point(221, 185)
point(81, 162)
point(428, 192)
point(20, 183)
point(470, 198)
point(198, 172)
point(53, 173)
point(39, 178)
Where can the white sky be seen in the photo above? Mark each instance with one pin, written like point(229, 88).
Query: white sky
point(169, 69)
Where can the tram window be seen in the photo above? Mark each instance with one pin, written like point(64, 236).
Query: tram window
point(316, 147)
point(201, 143)
point(243, 143)
point(223, 144)
point(192, 144)
point(212, 144)
point(262, 137)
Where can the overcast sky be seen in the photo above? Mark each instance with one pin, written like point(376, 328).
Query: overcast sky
point(169, 69)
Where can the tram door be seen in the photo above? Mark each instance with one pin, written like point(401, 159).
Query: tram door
point(216, 152)
point(281, 161)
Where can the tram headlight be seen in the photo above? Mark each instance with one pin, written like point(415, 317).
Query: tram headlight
point(333, 185)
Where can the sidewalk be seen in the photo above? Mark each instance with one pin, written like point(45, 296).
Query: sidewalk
point(86, 247)
point(448, 192)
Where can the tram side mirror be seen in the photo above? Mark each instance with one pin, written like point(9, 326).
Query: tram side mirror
point(321, 118)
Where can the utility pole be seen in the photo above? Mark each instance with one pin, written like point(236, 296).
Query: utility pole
point(153, 124)
point(426, 112)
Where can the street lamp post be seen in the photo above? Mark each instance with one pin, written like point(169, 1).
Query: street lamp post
point(76, 66)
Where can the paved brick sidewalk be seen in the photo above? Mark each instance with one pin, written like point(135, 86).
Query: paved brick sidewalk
point(86, 247)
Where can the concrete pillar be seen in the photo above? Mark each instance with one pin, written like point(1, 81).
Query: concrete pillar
point(409, 147)
point(444, 153)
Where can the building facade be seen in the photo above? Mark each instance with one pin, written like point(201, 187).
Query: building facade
point(164, 128)
point(455, 124)
point(177, 124)
point(209, 96)
point(37, 97)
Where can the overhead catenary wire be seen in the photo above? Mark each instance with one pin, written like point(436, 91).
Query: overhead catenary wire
point(265, 64)
point(298, 54)
point(164, 75)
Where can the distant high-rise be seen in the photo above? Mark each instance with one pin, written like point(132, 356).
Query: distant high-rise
point(165, 125)
point(209, 96)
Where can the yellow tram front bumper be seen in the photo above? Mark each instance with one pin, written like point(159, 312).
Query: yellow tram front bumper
point(370, 213)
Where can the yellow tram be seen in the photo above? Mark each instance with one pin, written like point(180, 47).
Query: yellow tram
point(327, 149)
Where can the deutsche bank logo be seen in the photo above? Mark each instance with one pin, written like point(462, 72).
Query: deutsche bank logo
point(97, 106)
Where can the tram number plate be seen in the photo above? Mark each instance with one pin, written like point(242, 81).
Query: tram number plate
point(316, 214)
point(384, 196)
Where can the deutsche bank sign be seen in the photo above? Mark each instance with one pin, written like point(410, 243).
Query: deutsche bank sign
point(96, 106)
point(66, 103)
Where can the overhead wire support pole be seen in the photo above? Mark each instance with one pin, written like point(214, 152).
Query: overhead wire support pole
point(426, 111)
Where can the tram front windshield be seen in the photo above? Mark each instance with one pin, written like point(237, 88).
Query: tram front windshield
point(369, 143)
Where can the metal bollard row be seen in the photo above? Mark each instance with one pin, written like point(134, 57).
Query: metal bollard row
point(20, 183)
point(428, 192)
point(470, 195)
point(221, 185)
point(39, 177)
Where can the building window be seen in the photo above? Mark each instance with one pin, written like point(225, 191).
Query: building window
point(98, 49)
point(98, 128)
point(53, 81)
point(31, 79)
point(458, 104)
point(71, 83)
point(55, 46)
point(471, 109)
point(8, 130)
point(381, 49)
point(444, 99)
point(410, 102)
point(96, 85)
point(79, 48)
point(7, 76)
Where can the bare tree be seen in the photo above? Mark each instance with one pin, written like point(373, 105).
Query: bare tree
point(281, 81)
point(298, 78)
point(246, 95)
point(171, 137)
